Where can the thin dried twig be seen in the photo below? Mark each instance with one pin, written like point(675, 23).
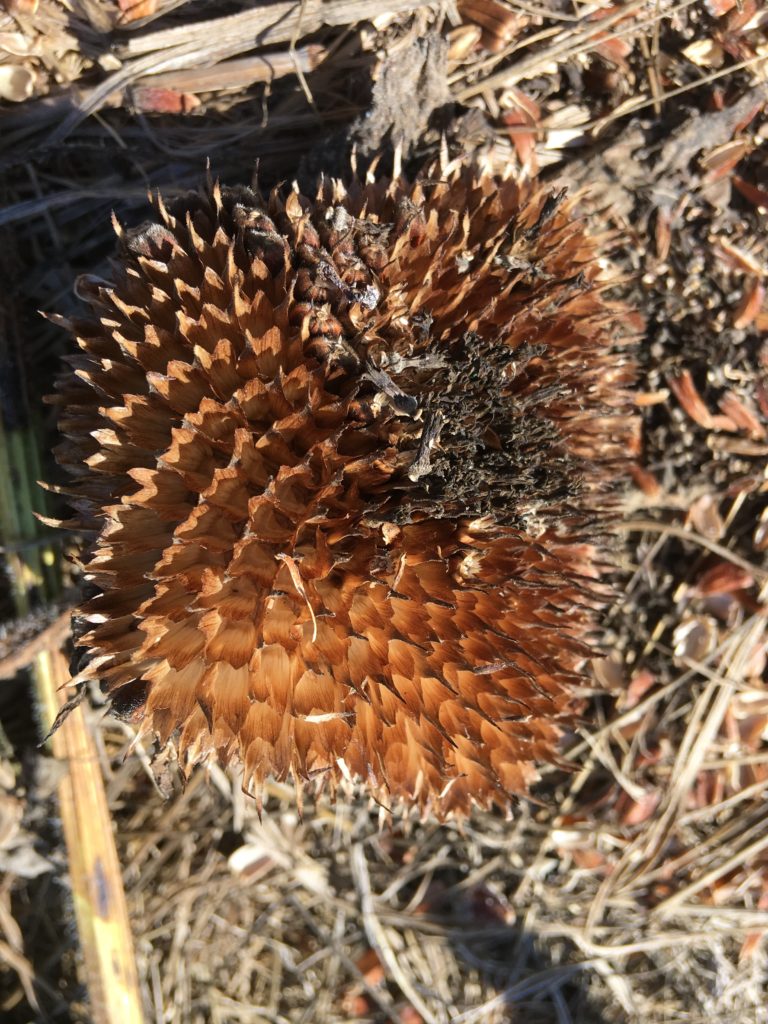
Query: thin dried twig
point(377, 935)
point(674, 530)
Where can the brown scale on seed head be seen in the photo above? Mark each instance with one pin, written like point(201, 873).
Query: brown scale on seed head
point(347, 464)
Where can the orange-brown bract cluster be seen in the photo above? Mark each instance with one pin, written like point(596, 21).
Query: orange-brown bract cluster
point(348, 463)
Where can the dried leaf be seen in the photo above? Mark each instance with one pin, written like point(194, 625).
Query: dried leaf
point(609, 672)
point(17, 44)
point(648, 398)
point(640, 810)
point(155, 100)
point(693, 404)
point(717, 8)
point(663, 232)
point(499, 23)
point(744, 415)
point(755, 195)
point(723, 578)
point(751, 303)
point(462, 41)
point(719, 161)
point(17, 83)
point(695, 639)
point(640, 684)
point(646, 481)
point(613, 49)
point(133, 10)
point(704, 516)
point(705, 53)
point(20, 6)
point(563, 127)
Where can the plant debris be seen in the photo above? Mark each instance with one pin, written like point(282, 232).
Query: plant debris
point(633, 889)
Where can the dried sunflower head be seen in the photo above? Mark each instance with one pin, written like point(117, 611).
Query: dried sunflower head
point(347, 463)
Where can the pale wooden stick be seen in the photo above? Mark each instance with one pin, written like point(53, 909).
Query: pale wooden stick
point(96, 879)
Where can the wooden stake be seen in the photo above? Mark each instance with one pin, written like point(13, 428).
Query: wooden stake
point(96, 879)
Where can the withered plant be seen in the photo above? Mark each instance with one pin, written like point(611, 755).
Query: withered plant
point(347, 465)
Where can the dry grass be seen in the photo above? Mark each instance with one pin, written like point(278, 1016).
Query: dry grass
point(634, 888)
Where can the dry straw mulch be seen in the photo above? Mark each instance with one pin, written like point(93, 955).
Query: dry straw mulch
point(634, 888)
